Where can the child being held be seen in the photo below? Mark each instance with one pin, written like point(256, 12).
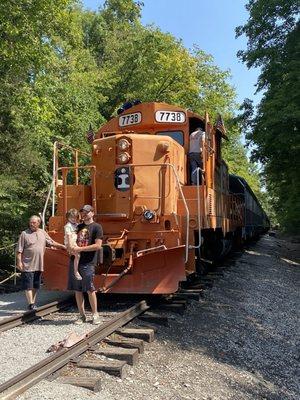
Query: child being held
point(70, 239)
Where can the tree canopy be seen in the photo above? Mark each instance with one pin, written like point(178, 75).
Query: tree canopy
point(273, 33)
point(63, 67)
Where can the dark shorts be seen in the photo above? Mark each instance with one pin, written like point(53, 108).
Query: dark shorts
point(31, 280)
point(87, 272)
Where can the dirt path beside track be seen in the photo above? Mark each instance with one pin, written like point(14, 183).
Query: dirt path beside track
point(239, 343)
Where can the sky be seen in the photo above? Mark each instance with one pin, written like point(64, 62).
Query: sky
point(208, 24)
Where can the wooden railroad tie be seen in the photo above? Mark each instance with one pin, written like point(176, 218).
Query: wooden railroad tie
point(195, 286)
point(81, 381)
point(119, 353)
point(154, 318)
point(172, 300)
point(112, 367)
point(200, 292)
point(126, 343)
point(178, 308)
point(190, 295)
point(145, 334)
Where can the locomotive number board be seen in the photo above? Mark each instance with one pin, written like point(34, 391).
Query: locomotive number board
point(130, 119)
point(177, 117)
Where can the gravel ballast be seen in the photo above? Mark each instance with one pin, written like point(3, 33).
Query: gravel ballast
point(239, 342)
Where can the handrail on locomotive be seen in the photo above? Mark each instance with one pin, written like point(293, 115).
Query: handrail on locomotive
point(56, 147)
point(52, 188)
point(199, 171)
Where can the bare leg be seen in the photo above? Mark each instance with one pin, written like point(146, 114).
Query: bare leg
point(93, 302)
point(29, 296)
point(34, 293)
point(76, 262)
point(80, 302)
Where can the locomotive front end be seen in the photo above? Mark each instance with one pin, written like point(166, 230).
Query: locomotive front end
point(137, 187)
point(135, 183)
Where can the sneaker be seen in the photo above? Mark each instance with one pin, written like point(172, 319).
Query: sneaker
point(96, 319)
point(32, 307)
point(81, 320)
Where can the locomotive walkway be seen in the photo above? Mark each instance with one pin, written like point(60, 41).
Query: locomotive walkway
point(239, 342)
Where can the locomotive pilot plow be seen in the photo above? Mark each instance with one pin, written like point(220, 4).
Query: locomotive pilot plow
point(157, 272)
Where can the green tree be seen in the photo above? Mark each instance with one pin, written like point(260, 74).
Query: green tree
point(48, 91)
point(62, 68)
point(273, 33)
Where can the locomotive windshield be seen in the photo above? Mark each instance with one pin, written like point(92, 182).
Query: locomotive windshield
point(176, 135)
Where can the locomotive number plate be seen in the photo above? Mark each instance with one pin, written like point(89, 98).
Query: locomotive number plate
point(130, 119)
point(176, 117)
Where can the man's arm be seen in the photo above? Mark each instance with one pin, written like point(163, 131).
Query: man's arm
point(92, 247)
point(50, 242)
point(58, 245)
point(20, 250)
point(20, 264)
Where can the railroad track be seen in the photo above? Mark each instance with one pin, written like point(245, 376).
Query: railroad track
point(123, 351)
point(21, 382)
point(28, 316)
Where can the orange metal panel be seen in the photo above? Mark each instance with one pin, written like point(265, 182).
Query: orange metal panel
point(77, 196)
point(158, 273)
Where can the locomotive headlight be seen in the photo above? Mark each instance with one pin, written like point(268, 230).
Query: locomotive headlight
point(148, 215)
point(123, 158)
point(123, 144)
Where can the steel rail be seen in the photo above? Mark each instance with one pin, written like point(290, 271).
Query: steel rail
point(23, 381)
point(28, 316)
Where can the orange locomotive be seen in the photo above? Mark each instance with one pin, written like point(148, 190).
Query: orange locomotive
point(157, 227)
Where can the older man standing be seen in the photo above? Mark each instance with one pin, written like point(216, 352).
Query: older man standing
point(30, 258)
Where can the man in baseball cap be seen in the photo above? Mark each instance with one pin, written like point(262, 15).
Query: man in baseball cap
point(87, 208)
point(89, 242)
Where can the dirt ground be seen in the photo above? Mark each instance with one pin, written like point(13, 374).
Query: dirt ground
point(240, 342)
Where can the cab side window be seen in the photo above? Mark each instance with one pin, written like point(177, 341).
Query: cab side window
point(176, 135)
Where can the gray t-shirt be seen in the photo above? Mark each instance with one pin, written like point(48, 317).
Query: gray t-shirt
point(32, 245)
point(196, 141)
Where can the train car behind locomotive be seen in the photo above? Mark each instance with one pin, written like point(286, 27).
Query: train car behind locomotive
point(256, 220)
point(157, 226)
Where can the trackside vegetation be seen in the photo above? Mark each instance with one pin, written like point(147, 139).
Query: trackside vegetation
point(63, 68)
point(273, 33)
